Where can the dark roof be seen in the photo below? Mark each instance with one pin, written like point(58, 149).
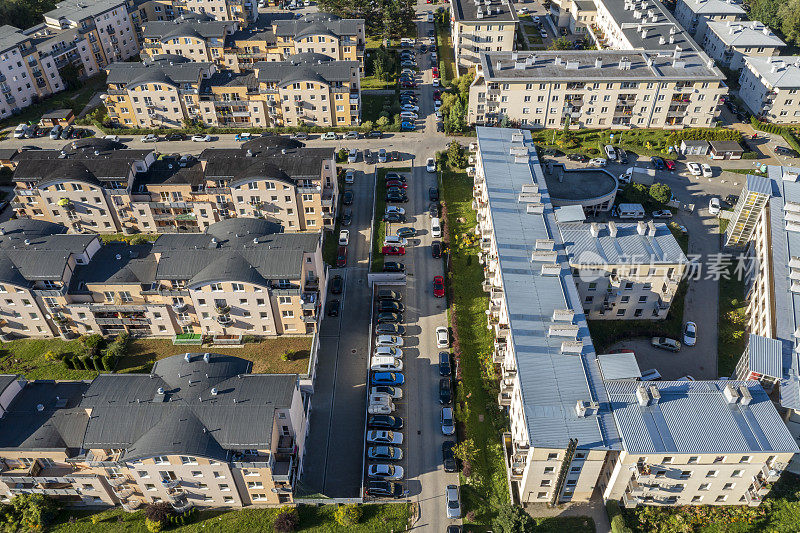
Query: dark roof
point(261, 28)
point(323, 71)
point(44, 257)
point(170, 71)
point(118, 263)
point(467, 11)
point(230, 79)
point(183, 27)
point(317, 24)
point(175, 410)
point(45, 415)
point(247, 250)
point(91, 163)
point(58, 114)
point(5, 381)
point(726, 146)
point(267, 155)
point(167, 170)
point(6, 154)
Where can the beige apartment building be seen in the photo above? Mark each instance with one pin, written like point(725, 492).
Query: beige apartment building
point(770, 88)
point(624, 270)
point(730, 42)
point(476, 27)
point(694, 15)
point(615, 89)
point(201, 430)
point(197, 37)
point(581, 425)
point(240, 277)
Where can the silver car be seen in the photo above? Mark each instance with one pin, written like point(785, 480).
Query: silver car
point(453, 502)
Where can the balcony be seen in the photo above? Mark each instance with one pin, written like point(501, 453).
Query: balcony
point(132, 505)
point(773, 473)
point(309, 301)
point(179, 307)
point(170, 483)
point(182, 507)
point(753, 499)
point(506, 393)
point(629, 501)
point(124, 493)
point(117, 481)
point(309, 319)
point(26, 192)
point(225, 320)
point(282, 470)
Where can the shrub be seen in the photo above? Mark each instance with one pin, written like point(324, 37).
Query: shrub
point(749, 155)
point(286, 521)
point(31, 511)
point(97, 363)
point(660, 192)
point(85, 363)
point(93, 343)
point(158, 513)
point(108, 363)
point(68, 362)
point(153, 526)
point(348, 515)
point(616, 518)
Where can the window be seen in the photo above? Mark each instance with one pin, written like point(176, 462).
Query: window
point(227, 499)
point(197, 473)
point(549, 469)
point(255, 485)
point(693, 460)
point(188, 460)
point(541, 495)
point(719, 459)
point(728, 486)
point(287, 314)
point(144, 474)
point(745, 459)
point(552, 456)
point(545, 483)
point(149, 486)
point(224, 488)
point(216, 287)
point(711, 473)
point(284, 300)
point(704, 486)
point(697, 498)
point(721, 498)
point(161, 460)
point(237, 287)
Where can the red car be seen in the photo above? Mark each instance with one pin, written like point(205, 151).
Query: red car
point(396, 183)
point(436, 75)
point(341, 257)
point(435, 70)
point(438, 286)
point(670, 164)
point(393, 250)
point(437, 94)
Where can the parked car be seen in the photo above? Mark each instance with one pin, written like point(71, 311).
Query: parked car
point(349, 176)
point(433, 194)
point(448, 456)
point(657, 163)
point(68, 132)
point(369, 156)
point(392, 341)
point(243, 137)
point(453, 502)
point(394, 176)
point(448, 425)
point(393, 318)
point(390, 305)
point(394, 217)
point(347, 198)
point(665, 343)
point(386, 472)
point(388, 422)
point(706, 169)
point(388, 294)
point(731, 199)
point(407, 126)
point(386, 364)
point(300, 136)
point(782, 150)
point(396, 197)
point(337, 283)
point(713, 206)
point(396, 184)
point(384, 436)
point(347, 217)
point(406, 232)
point(384, 489)
point(388, 378)
point(390, 329)
point(580, 158)
point(382, 155)
point(651, 375)
point(430, 165)
point(690, 334)
point(442, 337)
point(55, 133)
point(611, 154)
point(395, 240)
point(341, 257)
point(201, 138)
point(352, 156)
point(438, 288)
point(445, 391)
point(385, 453)
point(436, 249)
point(333, 308)
point(662, 213)
point(395, 393)
point(670, 164)
point(694, 169)
point(444, 364)
point(20, 130)
point(352, 135)
point(394, 155)
point(597, 162)
point(344, 237)
point(393, 266)
point(622, 155)
point(329, 136)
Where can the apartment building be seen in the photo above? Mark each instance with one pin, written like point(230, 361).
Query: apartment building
point(770, 88)
point(155, 94)
point(612, 89)
point(307, 88)
point(240, 277)
point(25, 74)
point(624, 270)
point(197, 37)
point(200, 430)
point(37, 261)
point(574, 431)
point(694, 15)
point(730, 42)
point(476, 27)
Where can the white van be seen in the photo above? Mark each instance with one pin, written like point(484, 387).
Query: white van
point(634, 211)
point(384, 407)
point(394, 240)
point(386, 364)
point(436, 228)
point(20, 131)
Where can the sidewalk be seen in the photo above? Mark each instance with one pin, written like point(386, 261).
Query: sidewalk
point(595, 509)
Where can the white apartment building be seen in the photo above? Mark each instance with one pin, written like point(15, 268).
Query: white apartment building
point(612, 89)
point(694, 15)
point(573, 429)
point(769, 87)
point(481, 26)
point(730, 42)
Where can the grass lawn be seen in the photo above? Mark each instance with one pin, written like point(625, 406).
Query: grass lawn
point(732, 336)
point(447, 62)
point(379, 231)
point(479, 416)
point(375, 519)
point(27, 356)
point(122, 237)
point(681, 237)
point(370, 81)
point(75, 100)
point(373, 104)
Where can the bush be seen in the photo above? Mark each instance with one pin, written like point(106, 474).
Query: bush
point(348, 515)
point(93, 343)
point(749, 155)
point(30, 511)
point(153, 526)
point(85, 363)
point(138, 239)
point(341, 155)
point(616, 518)
point(286, 521)
point(97, 363)
point(158, 513)
point(108, 363)
point(660, 192)
point(68, 363)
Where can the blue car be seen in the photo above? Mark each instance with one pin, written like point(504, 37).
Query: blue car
point(657, 163)
point(407, 126)
point(388, 378)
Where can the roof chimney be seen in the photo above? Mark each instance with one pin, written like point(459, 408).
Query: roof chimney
point(206, 357)
point(160, 390)
point(188, 358)
point(598, 63)
point(594, 228)
point(642, 396)
point(651, 229)
point(655, 395)
point(644, 33)
point(641, 228)
point(730, 393)
point(612, 228)
point(214, 391)
point(677, 53)
point(746, 396)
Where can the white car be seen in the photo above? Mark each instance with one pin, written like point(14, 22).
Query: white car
point(410, 107)
point(386, 364)
point(430, 165)
point(388, 351)
point(389, 340)
point(694, 168)
point(344, 237)
point(543, 34)
point(114, 138)
point(383, 436)
point(707, 172)
point(395, 393)
point(352, 157)
point(442, 337)
point(201, 138)
point(350, 176)
point(387, 472)
point(19, 132)
point(610, 152)
point(713, 206)
point(453, 502)
point(435, 82)
point(689, 334)
point(598, 162)
point(448, 424)
point(395, 209)
point(662, 213)
point(150, 138)
point(409, 115)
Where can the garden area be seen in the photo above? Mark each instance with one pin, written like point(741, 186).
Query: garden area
point(444, 42)
point(381, 68)
point(383, 110)
point(379, 231)
point(780, 512)
point(87, 356)
point(732, 320)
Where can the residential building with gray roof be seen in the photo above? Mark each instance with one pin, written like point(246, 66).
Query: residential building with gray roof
point(730, 42)
point(477, 27)
point(769, 88)
point(694, 15)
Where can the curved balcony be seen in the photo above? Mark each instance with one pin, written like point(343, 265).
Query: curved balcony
point(182, 508)
point(170, 483)
point(180, 307)
point(117, 481)
point(124, 493)
point(225, 320)
point(132, 505)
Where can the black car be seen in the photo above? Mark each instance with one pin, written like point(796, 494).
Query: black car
point(622, 155)
point(782, 150)
point(444, 364)
point(347, 198)
point(440, 126)
point(393, 266)
point(433, 194)
point(333, 308)
point(580, 158)
point(394, 217)
point(369, 156)
point(347, 217)
point(394, 155)
point(337, 283)
point(448, 457)
point(731, 199)
point(175, 137)
point(391, 318)
point(434, 210)
point(436, 249)
point(390, 306)
point(394, 176)
point(445, 392)
point(68, 131)
point(386, 294)
point(390, 329)
point(395, 198)
point(375, 134)
point(385, 422)
point(384, 489)
point(405, 232)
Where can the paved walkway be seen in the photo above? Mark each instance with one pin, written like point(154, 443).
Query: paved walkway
point(594, 508)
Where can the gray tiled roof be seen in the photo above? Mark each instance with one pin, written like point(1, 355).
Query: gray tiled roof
point(127, 410)
point(628, 246)
point(745, 33)
point(77, 11)
point(205, 29)
point(10, 37)
point(118, 264)
point(324, 70)
point(714, 7)
point(162, 71)
point(658, 22)
point(694, 417)
point(43, 166)
point(317, 24)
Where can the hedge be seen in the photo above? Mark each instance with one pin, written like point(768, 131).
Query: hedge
point(391, 127)
point(783, 131)
point(85, 363)
point(68, 362)
point(704, 134)
point(616, 518)
point(97, 363)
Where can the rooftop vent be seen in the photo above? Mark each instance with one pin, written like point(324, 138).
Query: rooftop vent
point(642, 396)
point(249, 153)
point(651, 229)
point(730, 393)
point(572, 65)
point(662, 40)
point(594, 229)
point(598, 63)
point(188, 358)
point(206, 357)
point(27, 242)
point(530, 60)
point(612, 228)
point(563, 315)
point(39, 407)
point(746, 397)
point(214, 391)
point(516, 137)
point(641, 228)
point(160, 390)
point(676, 54)
point(584, 409)
point(118, 257)
point(545, 244)
point(557, 60)
point(572, 347)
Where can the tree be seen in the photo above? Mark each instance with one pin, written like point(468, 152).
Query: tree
point(789, 14)
point(382, 121)
point(159, 513)
point(635, 193)
point(348, 515)
point(466, 450)
point(33, 511)
point(457, 116)
point(455, 155)
point(562, 43)
point(286, 521)
point(463, 83)
point(512, 519)
point(765, 11)
point(660, 192)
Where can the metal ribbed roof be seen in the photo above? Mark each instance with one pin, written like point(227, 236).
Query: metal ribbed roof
point(765, 355)
point(626, 247)
point(619, 366)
